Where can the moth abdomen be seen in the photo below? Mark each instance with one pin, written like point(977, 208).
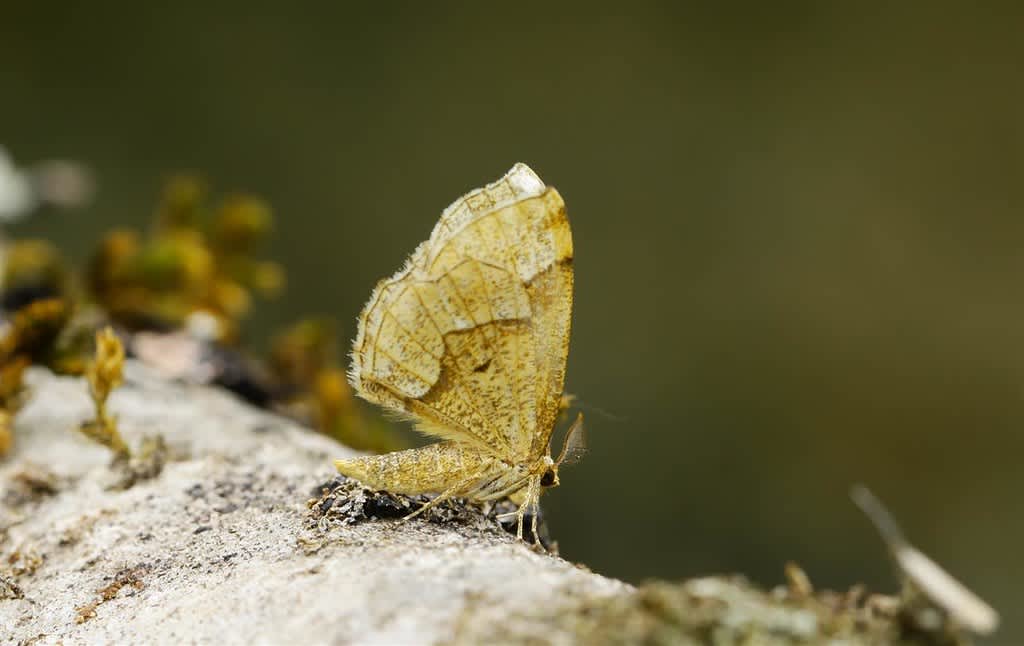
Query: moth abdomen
point(430, 469)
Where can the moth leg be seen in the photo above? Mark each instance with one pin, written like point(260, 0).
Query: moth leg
point(445, 495)
point(517, 498)
point(532, 500)
point(533, 520)
point(536, 515)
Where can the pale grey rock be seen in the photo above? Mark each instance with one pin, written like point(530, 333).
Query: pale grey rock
point(221, 547)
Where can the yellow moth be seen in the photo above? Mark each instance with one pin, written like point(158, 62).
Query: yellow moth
point(469, 341)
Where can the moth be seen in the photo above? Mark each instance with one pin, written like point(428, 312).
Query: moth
point(469, 342)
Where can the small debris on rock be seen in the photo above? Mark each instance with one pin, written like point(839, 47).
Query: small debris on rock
point(347, 502)
point(9, 589)
point(22, 562)
point(81, 527)
point(146, 463)
point(127, 577)
point(30, 484)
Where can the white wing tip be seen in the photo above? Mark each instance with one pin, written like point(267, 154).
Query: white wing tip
point(523, 180)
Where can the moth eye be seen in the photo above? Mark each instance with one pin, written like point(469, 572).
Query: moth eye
point(548, 478)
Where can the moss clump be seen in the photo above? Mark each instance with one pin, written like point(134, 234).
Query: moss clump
point(730, 611)
point(177, 295)
point(104, 374)
point(719, 611)
point(197, 260)
point(11, 390)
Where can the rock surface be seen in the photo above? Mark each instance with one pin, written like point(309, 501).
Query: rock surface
point(248, 536)
point(221, 546)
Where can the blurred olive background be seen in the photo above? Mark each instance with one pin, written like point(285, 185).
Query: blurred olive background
point(798, 228)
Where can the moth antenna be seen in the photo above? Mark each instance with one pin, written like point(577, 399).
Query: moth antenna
point(590, 408)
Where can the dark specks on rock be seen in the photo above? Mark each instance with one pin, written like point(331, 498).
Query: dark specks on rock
point(347, 502)
point(266, 428)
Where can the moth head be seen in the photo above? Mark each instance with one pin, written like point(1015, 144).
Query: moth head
point(550, 477)
point(573, 448)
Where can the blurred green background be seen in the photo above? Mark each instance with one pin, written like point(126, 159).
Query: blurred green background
point(798, 229)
